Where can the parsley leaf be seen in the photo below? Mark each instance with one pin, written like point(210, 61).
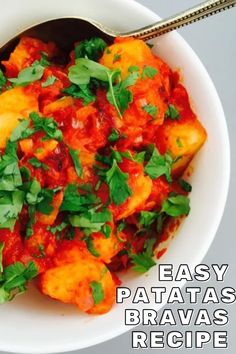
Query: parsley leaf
point(73, 201)
point(38, 164)
point(91, 48)
point(3, 80)
point(114, 136)
point(14, 278)
point(147, 218)
point(91, 248)
point(75, 158)
point(172, 112)
point(149, 72)
point(120, 97)
point(19, 131)
point(117, 183)
point(151, 110)
point(28, 75)
point(10, 176)
point(142, 262)
point(133, 68)
point(97, 292)
point(116, 57)
point(91, 221)
point(48, 125)
point(106, 230)
point(159, 165)
point(11, 204)
point(177, 205)
point(49, 82)
point(80, 91)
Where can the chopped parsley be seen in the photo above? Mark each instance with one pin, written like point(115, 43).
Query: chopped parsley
point(172, 112)
point(118, 95)
point(91, 220)
point(177, 205)
point(114, 136)
point(28, 75)
point(14, 279)
point(159, 165)
point(151, 110)
point(97, 292)
point(80, 91)
point(77, 164)
point(38, 164)
point(49, 82)
point(117, 182)
point(92, 48)
point(116, 57)
point(149, 72)
point(142, 262)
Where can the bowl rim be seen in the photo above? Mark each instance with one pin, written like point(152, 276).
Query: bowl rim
point(75, 345)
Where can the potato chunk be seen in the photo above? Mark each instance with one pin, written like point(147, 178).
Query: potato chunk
point(183, 140)
point(126, 53)
point(73, 283)
point(14, 104)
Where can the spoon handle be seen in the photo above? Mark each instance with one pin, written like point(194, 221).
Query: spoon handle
point(184, 18)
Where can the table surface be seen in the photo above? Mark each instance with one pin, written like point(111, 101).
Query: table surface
point(214, 42)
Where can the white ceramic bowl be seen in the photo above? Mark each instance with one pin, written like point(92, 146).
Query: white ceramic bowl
point(35, 324)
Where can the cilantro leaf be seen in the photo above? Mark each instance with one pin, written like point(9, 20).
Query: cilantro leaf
point(80, 91)
point(172, 112)
point(91, 248)
point(159, 165)
point(142, 262)
point(176, 206)
point(49, 82)
point(97, 292)
point(3, 80)
point(91, 48)
point(28, 75)
point(75, 158)
point(14, 280)
point(117, 183)
point(149, 72)
point(151, 110)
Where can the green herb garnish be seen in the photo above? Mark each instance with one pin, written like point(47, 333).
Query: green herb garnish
point(97, 292)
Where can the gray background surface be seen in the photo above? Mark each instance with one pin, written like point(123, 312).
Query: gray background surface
point(214, 40)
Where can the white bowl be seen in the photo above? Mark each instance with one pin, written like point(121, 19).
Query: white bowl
point(35, 324)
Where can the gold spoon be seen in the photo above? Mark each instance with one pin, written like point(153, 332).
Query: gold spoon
point(66, 31)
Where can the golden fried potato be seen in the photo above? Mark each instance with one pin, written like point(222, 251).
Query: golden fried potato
point(86, 283)
point(184, 140)
point(15, 104)
point(125, 53)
